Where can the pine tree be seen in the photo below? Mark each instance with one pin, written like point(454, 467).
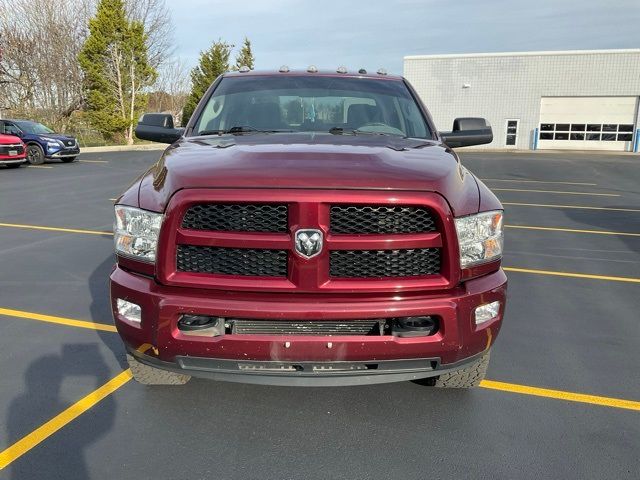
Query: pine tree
point(245, 56)
point(213, 62)
point(115, 63)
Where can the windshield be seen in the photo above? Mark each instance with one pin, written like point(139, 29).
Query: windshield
point(312, 104)
point(33, 128)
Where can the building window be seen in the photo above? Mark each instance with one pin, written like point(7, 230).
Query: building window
point(607, 132)
point(511, 132)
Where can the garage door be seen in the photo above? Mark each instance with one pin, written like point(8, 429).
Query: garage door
point(587, 123)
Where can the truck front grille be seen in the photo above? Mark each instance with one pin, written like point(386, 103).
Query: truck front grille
point(5, 149)
point(359, 219)
point(301, 327)
point(237, 217)
point(384, 263)
point(244, 240)
point(232, 261)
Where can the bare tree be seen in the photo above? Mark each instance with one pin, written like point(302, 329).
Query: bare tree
point(39, 72)
point(171, 90)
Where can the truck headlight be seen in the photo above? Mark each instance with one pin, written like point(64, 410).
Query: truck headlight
point(135, 232)
point(480, 238)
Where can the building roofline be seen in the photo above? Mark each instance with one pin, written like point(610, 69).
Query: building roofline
point(524, 54)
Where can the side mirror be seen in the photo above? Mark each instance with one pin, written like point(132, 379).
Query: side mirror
point(158, 127)
point(468, 131)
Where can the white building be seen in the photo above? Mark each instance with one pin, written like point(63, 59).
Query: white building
point(582, 100)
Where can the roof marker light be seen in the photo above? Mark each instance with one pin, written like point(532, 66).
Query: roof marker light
point(381, 71)
point(244, 69)
point(342, 69)
point(312, 69)
point(362, 71)
point(284, 69)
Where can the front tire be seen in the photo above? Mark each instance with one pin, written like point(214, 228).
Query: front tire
point(467, 377)
point(148, 375)
point(35, 154)
point(68, 159)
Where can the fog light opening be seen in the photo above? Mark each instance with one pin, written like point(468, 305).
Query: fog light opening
point(421, 326)
point(201, 325)
point(487, 312)
point(130, 311)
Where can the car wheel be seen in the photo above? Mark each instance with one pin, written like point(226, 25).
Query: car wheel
point(467, 377)
point(35, 154)
point(68, 159)
point(148, 375)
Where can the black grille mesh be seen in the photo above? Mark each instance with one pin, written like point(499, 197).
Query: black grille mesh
point(362, 219)
point(302, 327)
point(384, 263)
point(232, 261)
point(237, 217)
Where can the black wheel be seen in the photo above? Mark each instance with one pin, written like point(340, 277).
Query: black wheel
point(13, 165)
point(35, 154)
point(148, 375)
point(68, 159)
point(467, 377)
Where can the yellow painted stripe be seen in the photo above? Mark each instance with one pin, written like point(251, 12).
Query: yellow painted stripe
point(572, 206)
point(562, 395)
point(70, 322)
point(54, 229)
point(555, 192)
point(113, 199)
point(39, 166)
point(94, 161)
point(41, 433)
point(573, 230)
point(535, 181)
point(573, 275)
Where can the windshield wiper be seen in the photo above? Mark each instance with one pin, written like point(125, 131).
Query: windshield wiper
point(239, 130)
point(342, 131)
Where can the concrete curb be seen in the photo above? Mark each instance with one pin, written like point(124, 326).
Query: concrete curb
point(542, 152)
point(123, 148)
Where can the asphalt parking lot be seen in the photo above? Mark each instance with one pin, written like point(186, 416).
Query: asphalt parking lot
point(563, 400)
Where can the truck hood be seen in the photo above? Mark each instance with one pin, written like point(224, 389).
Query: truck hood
point(318, 161)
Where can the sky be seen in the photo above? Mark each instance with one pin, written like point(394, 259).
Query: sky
point(379, 33)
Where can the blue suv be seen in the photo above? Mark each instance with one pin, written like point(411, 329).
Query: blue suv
point(42, 142)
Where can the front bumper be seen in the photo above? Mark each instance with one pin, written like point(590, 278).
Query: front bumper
point(301, 359)
point(6, 160)
point(65, 153)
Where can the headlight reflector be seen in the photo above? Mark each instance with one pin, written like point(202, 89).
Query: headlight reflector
point(480, 237)
point(135, 232)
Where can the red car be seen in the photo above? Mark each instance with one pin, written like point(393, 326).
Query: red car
point(309, 228)
point(13, 152)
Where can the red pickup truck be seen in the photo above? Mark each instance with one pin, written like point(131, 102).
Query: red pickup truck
point(309, 228)
point(12, 151)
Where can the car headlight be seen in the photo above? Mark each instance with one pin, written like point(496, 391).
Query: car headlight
point(480, 238)
point(136, 232)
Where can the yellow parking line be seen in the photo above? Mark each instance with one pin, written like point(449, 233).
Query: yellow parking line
point(572, 206)
point(39, 166)
point(41, 433)
point(94, 161)
point(54, 229)
point(555, 192)
point(70, 322)
point(561, 395)
point(573, 230)
point(573, 275)
point(535, 181)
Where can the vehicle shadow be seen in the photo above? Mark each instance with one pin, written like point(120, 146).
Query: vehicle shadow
point(101, 307)
point(63, 455)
